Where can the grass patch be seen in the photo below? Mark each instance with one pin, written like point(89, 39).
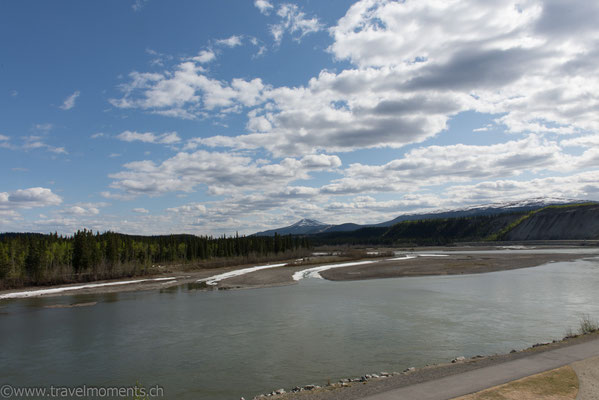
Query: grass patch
point(557, 384)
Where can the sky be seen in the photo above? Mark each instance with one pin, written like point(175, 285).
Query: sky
point(211, 117)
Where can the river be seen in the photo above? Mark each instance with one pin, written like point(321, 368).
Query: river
point(200, 344)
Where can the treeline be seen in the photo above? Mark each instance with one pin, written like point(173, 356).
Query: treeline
point(29, 259)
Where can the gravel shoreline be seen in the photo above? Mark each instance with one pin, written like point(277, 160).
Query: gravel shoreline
point(364, 386)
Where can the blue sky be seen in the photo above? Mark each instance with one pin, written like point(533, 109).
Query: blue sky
point(149, 117)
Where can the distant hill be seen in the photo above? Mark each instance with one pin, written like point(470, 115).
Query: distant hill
point(557, 222)
point(488, 209)
point(313, 227)
point(302, 227)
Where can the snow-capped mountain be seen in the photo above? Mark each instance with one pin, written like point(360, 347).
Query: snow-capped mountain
point(311, 226)
point(485, 209)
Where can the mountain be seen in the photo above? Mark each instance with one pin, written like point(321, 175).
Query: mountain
point(487, 209)
point(579, 221)
point(558, 223)
point(313, 227)
point(302, 227)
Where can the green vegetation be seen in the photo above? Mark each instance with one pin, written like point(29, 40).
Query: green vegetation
point(424, 232)
point(503, 232)
point(444, 231)
point(587, 325)
point(36, 259)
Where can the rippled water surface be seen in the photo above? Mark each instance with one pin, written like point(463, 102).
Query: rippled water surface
point(225, 344)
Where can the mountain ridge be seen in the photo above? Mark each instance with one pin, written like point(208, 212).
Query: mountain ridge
point(307, 226)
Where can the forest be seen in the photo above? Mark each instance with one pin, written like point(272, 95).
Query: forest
point(44, 259)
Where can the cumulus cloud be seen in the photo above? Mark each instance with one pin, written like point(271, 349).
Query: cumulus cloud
point(220, 172)
point(264, 6)
point(70, 101)
point(411, 78)
point(83, 209)
point(149, 137)
point(204, 56)
point(232, 41)
point(140, 210)
point(434, 165)
point(317, 161)
point(582, 141)
point(524, 59)
point(187, 92)
point(577, 186)
point(189, 209)
point(29, 198)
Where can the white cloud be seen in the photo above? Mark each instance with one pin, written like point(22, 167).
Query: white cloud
point(529, 60)
point(434, 165)
point(188, 92)
point(116, 196)
point(264, 6)
point(582, 141)
point(204, 56)
point(83, 209)
point(318, 161)
point(222, 173)
point(29, 198)
point(344, 112)
point(189, 209)
point(37, 142)
point(140, 210)
point(32, 142)
point(149, 137)
point(488, 57)
point(583, 186)
point(293, 21)
point(97, 135)
point(232, 41)
point(70, 101)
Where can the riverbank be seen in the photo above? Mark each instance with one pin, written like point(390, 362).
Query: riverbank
point(377, 385)
point(378, 265)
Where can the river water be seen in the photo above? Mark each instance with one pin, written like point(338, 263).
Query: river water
point(226, 344)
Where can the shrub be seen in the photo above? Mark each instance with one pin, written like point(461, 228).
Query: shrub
point(587, 325)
